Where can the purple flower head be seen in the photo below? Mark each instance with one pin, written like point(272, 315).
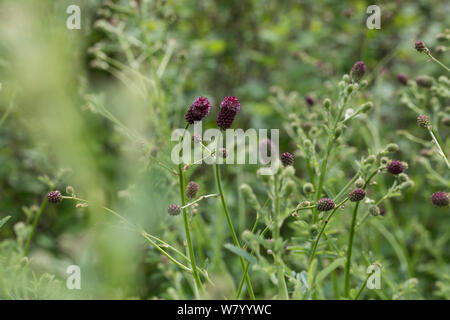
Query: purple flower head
point(420, 46)
point(325, 204)
point(356, 195)
point(198, 110)
point(287, 159)
point(358, 70)
point(54, 196)
point(229, 107)
point(310, 100)
point(395, 167)
point(440, 199)
point(402, 79)
point(174, 209)
point(191, 190)
point(423, 121)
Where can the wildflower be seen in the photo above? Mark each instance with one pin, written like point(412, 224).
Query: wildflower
point(359, 183)
point(374, 210)
point(395, 167)
point(358, 70)
point(174, 209)
point(424, 81)
point(308, 188)
point(229, 107)
point(325, 204)
point(440, 199)
point(423, 121)
point(356, 195)
point(392, 147)
point(287, 159)
point(54, 196)
point(310, 100)
point(198, 110)
point(421, 47)
point(402, 79)
point(191, 190)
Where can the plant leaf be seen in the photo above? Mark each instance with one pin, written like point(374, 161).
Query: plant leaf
point(242, 253)
point(4, 220)
point(329, 268)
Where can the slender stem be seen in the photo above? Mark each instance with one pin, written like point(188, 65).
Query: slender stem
point(282, 287)
point(438, 145)
point(325, 223)
point(233, 233)
point(347, 186)
point(35, 222)
point(362, 287)
point(437, 61)
point(349, 251)
point(186, 228)
point(206, 196)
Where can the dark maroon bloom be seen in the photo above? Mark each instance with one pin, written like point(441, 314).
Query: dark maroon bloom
point(424, 81)
point(395, 167)
point(325, 204)
point(423, 121)
point(54, 196)
point(420, 46)
point(191, 190)
point(229, 107)
point(440, 199)
point(356, 195)
point(287, 159)
point(198, 110)
point(310, 100)
point(358, 70)
point(403, 79)
point(174, 209)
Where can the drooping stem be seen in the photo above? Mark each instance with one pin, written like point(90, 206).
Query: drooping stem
point(439, 147)
point(349, 251)
point(35, 222)
point(438, 62)
point(233, 233)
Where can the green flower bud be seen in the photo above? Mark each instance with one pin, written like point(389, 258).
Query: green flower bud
point(327, 103)
point(403, 177)
point(308, 188)
point(370, 159)
point(384, 161)
point(366, 107)
point(289, 188)
point(392, 147)
point(406, 185)
point(289, 171)
point(338, 132)
point(374, 210)
point(346, 78)
point(359, 183)
point(249, 196)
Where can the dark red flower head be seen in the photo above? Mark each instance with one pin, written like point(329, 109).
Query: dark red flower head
point(420, 46)
point(325, 204)
point(395, 167)
point(287, 159)
point(358, 70)
point(229, 107)
point(174, 209)
point(440, 199)
point(356, 195)
point(54, 196)
point(310, 100)
point(191, 190)
point(198, 110)
point(403, 79)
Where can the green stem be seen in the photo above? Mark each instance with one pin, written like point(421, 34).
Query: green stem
point(186, 228)
point(325, 223)
point(233, 233)
point(349, 251)
point(362, 287)
point(282, 287)
point(35, 222)
point(439, 147)
point(437, 61)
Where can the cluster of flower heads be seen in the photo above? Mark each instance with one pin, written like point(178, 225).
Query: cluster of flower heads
point(201, 107)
